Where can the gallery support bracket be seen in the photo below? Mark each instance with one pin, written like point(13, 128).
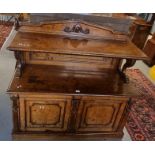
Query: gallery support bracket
point(122, 69)
point(19, 64)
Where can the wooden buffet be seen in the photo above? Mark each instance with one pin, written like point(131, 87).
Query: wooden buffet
point(69, 81)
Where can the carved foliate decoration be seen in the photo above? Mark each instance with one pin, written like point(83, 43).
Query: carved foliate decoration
point(77, 29)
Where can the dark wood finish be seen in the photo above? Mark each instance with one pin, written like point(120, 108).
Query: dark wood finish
point(69, 82)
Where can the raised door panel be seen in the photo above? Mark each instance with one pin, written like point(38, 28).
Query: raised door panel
point(100, 114)
point(45, 114)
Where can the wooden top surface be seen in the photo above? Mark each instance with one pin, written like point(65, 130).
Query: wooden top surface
point(58, 80)
point(56, 44)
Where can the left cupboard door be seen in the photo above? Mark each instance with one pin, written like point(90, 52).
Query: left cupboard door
point(44, 113)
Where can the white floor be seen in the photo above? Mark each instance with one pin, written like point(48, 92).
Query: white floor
point(7, 65)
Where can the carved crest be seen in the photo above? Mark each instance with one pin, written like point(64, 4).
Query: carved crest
point(78, 29)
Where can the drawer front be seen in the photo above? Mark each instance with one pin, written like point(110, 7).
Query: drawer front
point(100, 114)
point(76, 62)
point(44, 114)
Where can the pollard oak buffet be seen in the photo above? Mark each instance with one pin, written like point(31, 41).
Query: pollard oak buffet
point(69, 81)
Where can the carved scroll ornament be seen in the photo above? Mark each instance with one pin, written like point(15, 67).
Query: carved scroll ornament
point(77, 29)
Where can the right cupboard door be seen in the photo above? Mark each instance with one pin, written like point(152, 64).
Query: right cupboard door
point(100, 114)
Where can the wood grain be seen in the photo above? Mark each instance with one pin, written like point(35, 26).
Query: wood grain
point(32, 42)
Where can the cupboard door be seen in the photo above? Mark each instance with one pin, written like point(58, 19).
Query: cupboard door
point(100, 114)
point(44, 114)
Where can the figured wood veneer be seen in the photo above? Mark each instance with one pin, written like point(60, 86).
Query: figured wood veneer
point(44, 114)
